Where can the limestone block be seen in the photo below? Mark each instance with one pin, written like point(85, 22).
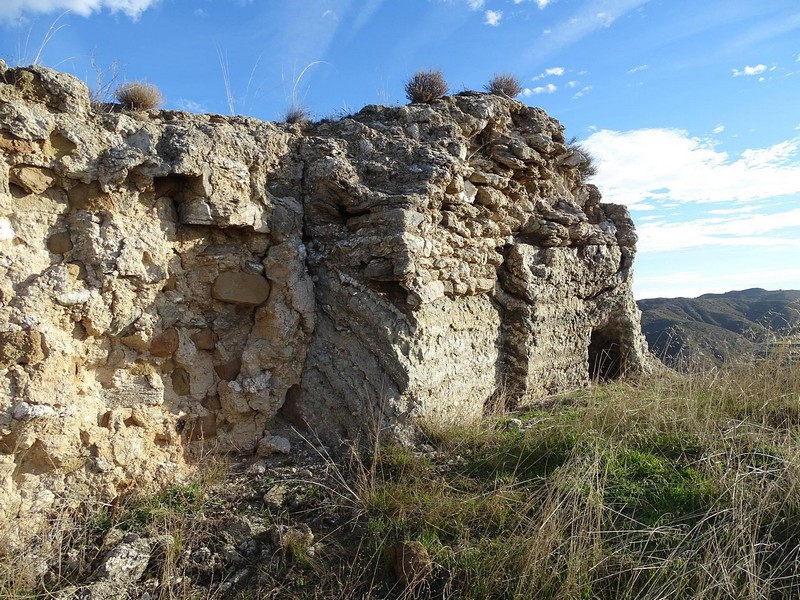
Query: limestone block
point(247, 289)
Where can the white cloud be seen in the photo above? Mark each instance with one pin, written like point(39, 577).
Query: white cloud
point(475, 4)
point(718, 129)
point(631, 164)
point(13, 9)
point(543, 3)
point(572, 84)
point(542, 89)
point(749, 71)
point(637, 69)
point(493, 17)
point(553, 71)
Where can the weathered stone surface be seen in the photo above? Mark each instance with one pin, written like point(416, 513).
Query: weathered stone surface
point(241, 288)
point(192, 282)
point(20, 347)
point(127, 561)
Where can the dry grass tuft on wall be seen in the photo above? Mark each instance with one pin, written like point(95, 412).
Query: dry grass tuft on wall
point(139, 95)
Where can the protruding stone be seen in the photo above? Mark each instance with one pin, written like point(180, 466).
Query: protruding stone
point(205, 339)
point(74, 298)
point(247, 289)
point(411, 563)
point(165, 343)
point(230, 370)
point(126, 562)
point(33, 180)
point(272, 444)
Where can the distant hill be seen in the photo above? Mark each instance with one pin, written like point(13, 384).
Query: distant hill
point(719, 327)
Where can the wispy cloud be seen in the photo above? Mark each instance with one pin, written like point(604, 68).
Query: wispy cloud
point(718, 129)
point(632, 164)
point(582, 92)
point(637, 69)
point(191, 106)
point(582, 23)
point(493, 17)
point(540, 3)
point(755, 230)
point(694, 283)
point(475, 4)
point(542, 89)
point(366, 11)
point(14, 9)
point(750, 71)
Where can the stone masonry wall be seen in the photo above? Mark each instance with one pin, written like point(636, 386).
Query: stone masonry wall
point(172, 283)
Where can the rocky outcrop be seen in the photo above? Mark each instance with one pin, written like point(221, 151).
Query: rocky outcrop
point(175, 282)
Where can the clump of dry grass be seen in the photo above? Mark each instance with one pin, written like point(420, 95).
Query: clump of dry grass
point(426, 86)
point(297, 114)
point(504, 84)
point(587, 167)
point(139, 95)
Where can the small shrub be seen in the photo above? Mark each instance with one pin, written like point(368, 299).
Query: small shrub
point(297, 114)
point(426, 86)
point(139, 95)
point(504, 84)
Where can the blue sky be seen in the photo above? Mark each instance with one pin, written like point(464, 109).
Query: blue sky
point(692, 109)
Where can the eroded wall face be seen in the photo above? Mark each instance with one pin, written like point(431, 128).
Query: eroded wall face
point(173, 283)
point(154, 297)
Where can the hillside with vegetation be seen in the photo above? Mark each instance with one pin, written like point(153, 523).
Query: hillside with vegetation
point(720, 327)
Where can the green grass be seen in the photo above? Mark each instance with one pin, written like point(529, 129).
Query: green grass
point(677, 486)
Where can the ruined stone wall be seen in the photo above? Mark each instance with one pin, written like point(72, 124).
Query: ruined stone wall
point(173, 283)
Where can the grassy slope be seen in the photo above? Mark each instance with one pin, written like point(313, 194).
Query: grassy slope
point(681, 486)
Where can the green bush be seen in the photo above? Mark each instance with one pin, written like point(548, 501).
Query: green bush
point(139, 95)
point(426, 86)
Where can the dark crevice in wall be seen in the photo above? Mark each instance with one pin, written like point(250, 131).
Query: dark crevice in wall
point(606, 360)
